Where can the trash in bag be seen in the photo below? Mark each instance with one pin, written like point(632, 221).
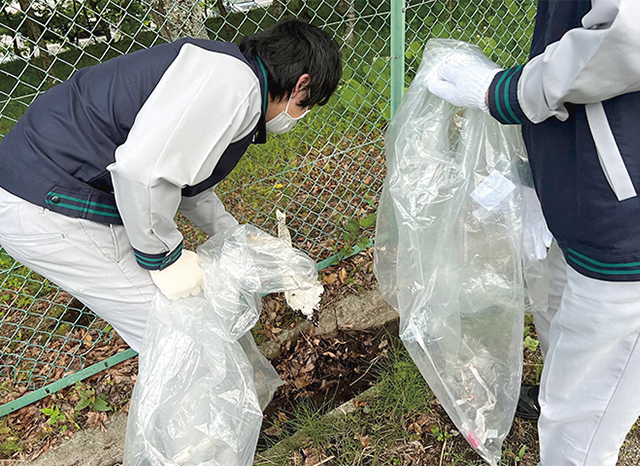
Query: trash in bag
point(449, 250)
point(305, 301)
point(202, 382)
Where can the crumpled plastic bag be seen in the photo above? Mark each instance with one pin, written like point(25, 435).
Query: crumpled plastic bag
point(202, 382)
point(306, 301)
point(449, 250)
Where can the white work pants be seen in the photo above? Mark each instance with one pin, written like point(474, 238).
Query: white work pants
point(92, 261)
point(589, 388)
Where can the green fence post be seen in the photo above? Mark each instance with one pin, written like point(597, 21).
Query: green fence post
point(397, 52)
point(54, 387)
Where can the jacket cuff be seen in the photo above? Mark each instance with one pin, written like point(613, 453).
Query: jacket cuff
point(158, 261)
point(503, 97)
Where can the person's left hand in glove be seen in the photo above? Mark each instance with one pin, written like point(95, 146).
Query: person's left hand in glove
point(463, 86)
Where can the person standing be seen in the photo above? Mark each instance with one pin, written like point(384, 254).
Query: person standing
point(578, 102)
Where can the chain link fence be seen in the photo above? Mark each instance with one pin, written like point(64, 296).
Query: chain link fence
point(326, 174)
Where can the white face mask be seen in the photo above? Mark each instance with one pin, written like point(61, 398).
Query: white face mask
point(283, 122)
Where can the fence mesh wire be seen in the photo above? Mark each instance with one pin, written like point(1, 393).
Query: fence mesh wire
point(324, 173)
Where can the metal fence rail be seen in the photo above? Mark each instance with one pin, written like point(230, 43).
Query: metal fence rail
point(323, 174)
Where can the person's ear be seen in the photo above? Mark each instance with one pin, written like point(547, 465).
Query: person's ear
point(303, 83)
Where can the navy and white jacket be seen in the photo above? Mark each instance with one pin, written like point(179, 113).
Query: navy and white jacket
point(578, 102)
point(139, 137)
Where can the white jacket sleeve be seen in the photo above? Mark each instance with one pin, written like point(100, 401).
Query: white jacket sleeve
point(204, 102)
point(589, 64)
point(206, 211)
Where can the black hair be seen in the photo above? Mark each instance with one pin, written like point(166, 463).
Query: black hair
point(292, 48)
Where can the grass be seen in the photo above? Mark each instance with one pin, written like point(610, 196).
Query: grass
point(10, 445)
point(398, 422)
point(10, 442)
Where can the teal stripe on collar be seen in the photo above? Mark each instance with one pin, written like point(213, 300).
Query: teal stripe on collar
point(265, 100)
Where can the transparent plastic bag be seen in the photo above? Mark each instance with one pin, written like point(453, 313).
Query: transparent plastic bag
point(449, 251)
point(202, 382)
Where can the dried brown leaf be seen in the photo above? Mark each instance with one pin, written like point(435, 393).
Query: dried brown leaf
point(363, 439)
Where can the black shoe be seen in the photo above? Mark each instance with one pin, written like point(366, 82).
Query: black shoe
point(528, 406)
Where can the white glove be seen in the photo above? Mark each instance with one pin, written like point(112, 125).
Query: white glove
point(181, 279)
point(463, 86)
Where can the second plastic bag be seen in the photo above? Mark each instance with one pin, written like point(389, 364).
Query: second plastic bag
point(202, 382)
point(448, 251)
